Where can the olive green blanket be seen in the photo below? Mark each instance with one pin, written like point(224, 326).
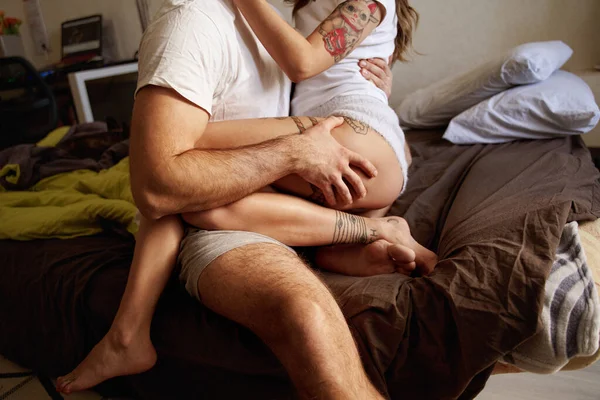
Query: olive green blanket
point(77, 203)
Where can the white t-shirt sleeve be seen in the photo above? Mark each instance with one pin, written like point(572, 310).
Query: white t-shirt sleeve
point(183, 50)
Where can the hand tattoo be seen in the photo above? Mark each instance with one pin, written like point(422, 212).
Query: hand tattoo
point(357, 126)
point(313, 121)
point(299, 124)
point(343, 29)
point(317, 195)
point(352, 229)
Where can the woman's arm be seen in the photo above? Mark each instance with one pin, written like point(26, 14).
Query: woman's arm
point(302, 58)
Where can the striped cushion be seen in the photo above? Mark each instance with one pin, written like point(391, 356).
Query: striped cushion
point(590, 238)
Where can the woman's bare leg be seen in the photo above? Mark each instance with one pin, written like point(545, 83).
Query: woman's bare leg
point(381, 191)
point(298, 222)
point(127, 349)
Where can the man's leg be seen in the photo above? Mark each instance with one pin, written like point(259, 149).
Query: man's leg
point(267, 288)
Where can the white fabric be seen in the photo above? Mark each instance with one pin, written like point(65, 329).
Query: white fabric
point(344, 78)
point(561, 105)
point(206, 51)
point(570, 318)
point(367, 110)
point(437, 104)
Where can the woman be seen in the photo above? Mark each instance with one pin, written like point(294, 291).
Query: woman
point(329, 82)
point(369, 244)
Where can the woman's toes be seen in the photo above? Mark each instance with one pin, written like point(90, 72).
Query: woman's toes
point(406, 269)
point(401, 254)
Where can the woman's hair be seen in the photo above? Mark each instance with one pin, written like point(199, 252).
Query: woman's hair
point(408, 19)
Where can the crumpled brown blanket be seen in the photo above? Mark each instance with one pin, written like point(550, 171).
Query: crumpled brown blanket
point(494, 213)
point(87, 146)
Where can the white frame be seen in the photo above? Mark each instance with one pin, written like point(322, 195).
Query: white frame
point(79, 91)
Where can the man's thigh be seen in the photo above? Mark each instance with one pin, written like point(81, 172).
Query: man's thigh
point(257, 280)
point(238, 274)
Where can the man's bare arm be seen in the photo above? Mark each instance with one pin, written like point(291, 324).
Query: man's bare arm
point(169, 175)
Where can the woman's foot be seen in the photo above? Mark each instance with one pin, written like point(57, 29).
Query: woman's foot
point(378, 258)
point(114, 355)
point(396, 230)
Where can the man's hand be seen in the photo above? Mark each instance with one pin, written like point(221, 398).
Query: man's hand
point(379, 72)
point(323, 162)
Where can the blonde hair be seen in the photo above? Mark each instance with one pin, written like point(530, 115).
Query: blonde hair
point(408, 19)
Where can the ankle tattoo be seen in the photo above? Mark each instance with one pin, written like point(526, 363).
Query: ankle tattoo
point(351, 229)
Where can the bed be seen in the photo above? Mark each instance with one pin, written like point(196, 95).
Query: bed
point(493, 213)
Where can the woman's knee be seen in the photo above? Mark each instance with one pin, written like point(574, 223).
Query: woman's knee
point(215, 219)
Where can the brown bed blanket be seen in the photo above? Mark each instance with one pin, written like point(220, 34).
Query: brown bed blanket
point(494, 213)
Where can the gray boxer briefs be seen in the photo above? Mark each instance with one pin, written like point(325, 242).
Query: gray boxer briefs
point(199, 248)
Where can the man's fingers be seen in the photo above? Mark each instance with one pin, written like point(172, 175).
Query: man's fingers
point(328, 194)
point(343, 192)
point(356, 183)
point(362, 163)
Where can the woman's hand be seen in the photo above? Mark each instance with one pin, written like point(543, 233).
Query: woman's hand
point(379, 72)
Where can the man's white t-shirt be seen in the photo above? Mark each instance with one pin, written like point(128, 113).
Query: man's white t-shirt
point(206, 52)
point(343, 78)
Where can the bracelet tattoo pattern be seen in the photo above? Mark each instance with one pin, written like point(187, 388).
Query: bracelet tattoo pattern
point(299, 124)
point(352, 229)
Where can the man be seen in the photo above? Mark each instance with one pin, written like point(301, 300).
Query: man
point(199, 61)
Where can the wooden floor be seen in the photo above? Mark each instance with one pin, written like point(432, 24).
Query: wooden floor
point(578, 385)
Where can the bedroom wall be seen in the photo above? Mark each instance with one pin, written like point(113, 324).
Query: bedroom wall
point(457, 34)
point(454, 35)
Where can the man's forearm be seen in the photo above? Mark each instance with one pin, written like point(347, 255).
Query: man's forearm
point(198, 180)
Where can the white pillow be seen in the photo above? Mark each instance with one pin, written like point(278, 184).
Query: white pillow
point(437, 104)
point(561, 105)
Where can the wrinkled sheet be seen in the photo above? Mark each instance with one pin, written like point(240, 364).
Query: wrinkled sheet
point(89, 146)
point(494, 214)
point(71, 204)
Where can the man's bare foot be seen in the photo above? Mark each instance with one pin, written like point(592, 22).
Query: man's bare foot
point(112, 356)
point(378, 258)
point(396, 230)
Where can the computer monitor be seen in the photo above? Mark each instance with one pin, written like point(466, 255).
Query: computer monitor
point(104, 93)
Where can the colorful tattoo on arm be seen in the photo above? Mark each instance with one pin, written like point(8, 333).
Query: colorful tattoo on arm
point(343, 29)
